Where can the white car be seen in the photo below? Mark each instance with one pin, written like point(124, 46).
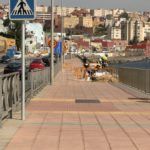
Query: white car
point(17, 55)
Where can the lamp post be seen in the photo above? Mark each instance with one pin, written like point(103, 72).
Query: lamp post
point(52, 43)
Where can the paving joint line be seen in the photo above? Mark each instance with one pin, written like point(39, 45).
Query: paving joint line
point(36, 135)
point(105, 135)
point(126, 133)
point(139, 125)
point(82, 132)
point(60, 132)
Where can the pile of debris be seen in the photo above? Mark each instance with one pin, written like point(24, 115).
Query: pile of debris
point(106, 77)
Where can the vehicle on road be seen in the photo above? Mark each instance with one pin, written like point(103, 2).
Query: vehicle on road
point(17, 55)
point(37, 64)
point(15, 67)
point(46, 61)
point(5, 59)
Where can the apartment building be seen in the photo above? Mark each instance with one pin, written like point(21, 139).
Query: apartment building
point(71, 21)
point(100, 12)
point(147, 30)
point(117, 12)
point(41, 9)
point(131, 29)
point(115, 33)
point(86, 21)
point(58, 10)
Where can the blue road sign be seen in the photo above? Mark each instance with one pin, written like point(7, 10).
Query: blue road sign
point(22, 9)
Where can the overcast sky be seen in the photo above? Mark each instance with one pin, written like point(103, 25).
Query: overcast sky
point(132, 5)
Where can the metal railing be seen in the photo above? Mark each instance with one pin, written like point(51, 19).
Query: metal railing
point(57, 67)
point(134, 77)
point(39, 79)
point(9, 94)
point(10, 90)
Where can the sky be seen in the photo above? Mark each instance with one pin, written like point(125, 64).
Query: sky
point(131, 5)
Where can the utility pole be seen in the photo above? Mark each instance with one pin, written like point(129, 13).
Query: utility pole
point(52, 44)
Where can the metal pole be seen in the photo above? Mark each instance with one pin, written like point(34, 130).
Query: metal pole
point(23, 72)
point(52, 43)
point(62, 54)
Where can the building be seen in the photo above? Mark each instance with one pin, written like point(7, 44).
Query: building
point(132, 29)
point(115, 33)
point(117, 12)
point(120, 45)
point(86, 22)
point(100, 12)
point(70, 22)
point(147, 30)
point(42, 17)
point(140, 49)
point(107, 45)
point(65, 11)
point(35, 36)
point(41, 9)
point(97, 12)
point(2, 28)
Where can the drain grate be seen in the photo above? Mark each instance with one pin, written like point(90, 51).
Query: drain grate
point(87, 101)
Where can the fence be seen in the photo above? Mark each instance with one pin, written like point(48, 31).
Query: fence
point(137, 78)
point(9, 94)
point(57, 67)
point(39, 79)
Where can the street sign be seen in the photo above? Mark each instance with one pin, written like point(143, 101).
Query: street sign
point(22, 9)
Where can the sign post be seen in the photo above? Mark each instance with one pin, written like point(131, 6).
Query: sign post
point(52, 44)
point(22, 10)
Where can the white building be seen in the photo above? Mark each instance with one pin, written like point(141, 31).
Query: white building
point(147, 30)
point(115, 33)
point(100, 12)
point(2, 28)
point(35, 36)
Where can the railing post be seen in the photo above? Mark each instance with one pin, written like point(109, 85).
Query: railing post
point(1, 102)
point(32, 83)
point(147, 90)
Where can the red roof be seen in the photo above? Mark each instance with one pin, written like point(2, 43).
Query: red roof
point(106, 44)
point(82, 43)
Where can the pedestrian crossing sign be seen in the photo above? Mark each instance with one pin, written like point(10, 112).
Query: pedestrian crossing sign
point(22, 9)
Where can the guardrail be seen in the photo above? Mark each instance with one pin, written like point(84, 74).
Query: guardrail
point(134, 77)
point(9, 94)
point(39, 79)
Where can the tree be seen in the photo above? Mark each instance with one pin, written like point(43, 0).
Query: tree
point(124, 15)
point(100, 30)
point(14, 31)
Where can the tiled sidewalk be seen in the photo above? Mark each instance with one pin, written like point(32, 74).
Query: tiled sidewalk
point(56, 122)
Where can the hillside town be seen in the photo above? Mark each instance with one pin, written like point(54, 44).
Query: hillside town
point(117, 31)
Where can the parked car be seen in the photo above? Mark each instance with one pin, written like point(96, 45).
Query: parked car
point(15, 67)
point(37, 64)
point(5, 59)
point(46, 61)
point(17, 55)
